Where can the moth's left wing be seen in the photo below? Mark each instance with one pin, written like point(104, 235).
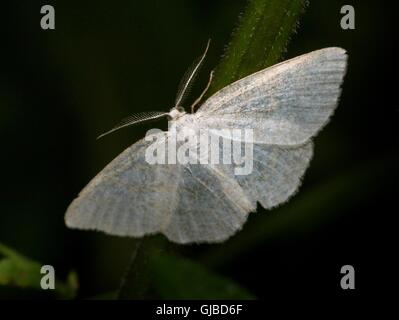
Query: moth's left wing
point(133, 196)
point(285, 104)
point(129, 197)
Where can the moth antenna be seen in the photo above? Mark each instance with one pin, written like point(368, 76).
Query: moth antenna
point(134, 119)
point(189, 76)
point(198, 100)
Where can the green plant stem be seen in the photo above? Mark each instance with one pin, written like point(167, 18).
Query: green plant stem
point(259, 41)
point(128, 287)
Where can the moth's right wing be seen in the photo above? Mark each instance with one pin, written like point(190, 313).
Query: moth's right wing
point(285, 104)
point(276, 173)
point(268, 174)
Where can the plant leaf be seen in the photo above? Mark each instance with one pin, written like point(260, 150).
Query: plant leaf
point(16, 270)
point(19, 271)
point(180, 278)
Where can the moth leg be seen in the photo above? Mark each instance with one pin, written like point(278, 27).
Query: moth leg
point(203, 92)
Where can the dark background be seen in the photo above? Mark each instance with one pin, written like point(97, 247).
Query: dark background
point(60, 89)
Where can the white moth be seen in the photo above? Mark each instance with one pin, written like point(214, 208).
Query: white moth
point(285, 105)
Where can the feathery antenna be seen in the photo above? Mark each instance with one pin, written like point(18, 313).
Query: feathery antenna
point(189, 77)
point(136, 118)
point(184, 88)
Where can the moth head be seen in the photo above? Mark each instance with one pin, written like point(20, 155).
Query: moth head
point(176, 112)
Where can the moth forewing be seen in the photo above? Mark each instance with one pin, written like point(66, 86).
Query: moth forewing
point(285, 104)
